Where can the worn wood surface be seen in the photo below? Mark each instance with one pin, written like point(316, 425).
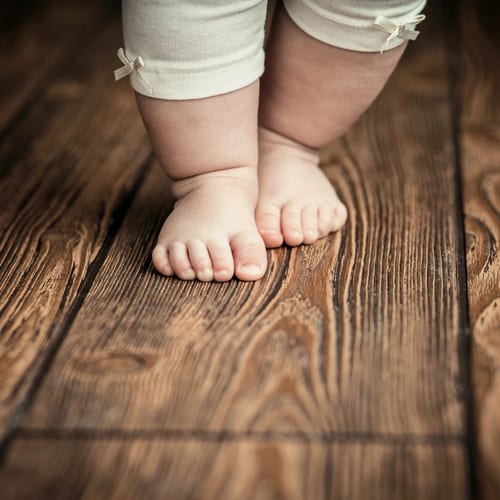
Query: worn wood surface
point(275, 356)
point(39, 41)
point(139, 468)
point(65, 171)
point(479, 93)
point(341, 374)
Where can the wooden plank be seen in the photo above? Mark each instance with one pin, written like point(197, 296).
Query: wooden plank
point(39, 41)
point(66, 169)
point(359, 333)
point(479, 46)
point(156, 468)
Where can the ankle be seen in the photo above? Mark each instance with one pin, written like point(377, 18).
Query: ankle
point(271, 140)
point(243, 179)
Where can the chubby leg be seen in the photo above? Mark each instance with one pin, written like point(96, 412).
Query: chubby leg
point(195, 67)
point(208, 147)
point(312, 92)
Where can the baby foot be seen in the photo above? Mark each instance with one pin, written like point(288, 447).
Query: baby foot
point(211, 233)
point(297, 204)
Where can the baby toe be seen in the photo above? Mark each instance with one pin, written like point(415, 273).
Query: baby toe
point(310, 223)
point(291, 225)
point(326, 219)
point(161, 261)
point(340, 216)
point(179, 260)
point(267, 218)
point(250, 259)
point(222, 260)
point(200, 260)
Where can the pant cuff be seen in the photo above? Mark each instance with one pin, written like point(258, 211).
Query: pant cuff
point(165, 82)
point(366, 33)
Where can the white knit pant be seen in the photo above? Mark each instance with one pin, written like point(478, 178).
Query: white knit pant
point(189, 49)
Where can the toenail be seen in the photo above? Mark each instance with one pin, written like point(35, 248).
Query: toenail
point(250, 269)
point(206, 275)
point(189, 274)
point(223, 274)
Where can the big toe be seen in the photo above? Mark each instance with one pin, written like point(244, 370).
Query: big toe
point(268, 220)
point(250, 259)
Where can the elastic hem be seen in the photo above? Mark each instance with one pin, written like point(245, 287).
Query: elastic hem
point(181, 84)
point(349, 33)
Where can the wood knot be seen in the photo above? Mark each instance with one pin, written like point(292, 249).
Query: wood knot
point(486, 332)
point(481, 246)
point(113, 363)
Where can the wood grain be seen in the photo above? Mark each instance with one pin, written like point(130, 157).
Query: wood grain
point(248, 470)
point(359, 333)
point(479, 46)
point(39, 42)
point(66, 168)
point(336, 376)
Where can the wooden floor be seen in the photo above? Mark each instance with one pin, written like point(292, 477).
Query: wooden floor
point(364, 366)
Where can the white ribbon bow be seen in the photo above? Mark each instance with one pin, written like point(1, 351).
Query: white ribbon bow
point(404, 30)
point(129, 66)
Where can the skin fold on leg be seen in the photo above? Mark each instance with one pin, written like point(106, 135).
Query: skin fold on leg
point(208, 148)
point(311, 94)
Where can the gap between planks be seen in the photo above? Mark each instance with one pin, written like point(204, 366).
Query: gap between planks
point(57, 434)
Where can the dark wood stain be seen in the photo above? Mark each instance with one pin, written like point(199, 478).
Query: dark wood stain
point(58, 207)
point(477, 54)
point(244, 470)
point(341, 374)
